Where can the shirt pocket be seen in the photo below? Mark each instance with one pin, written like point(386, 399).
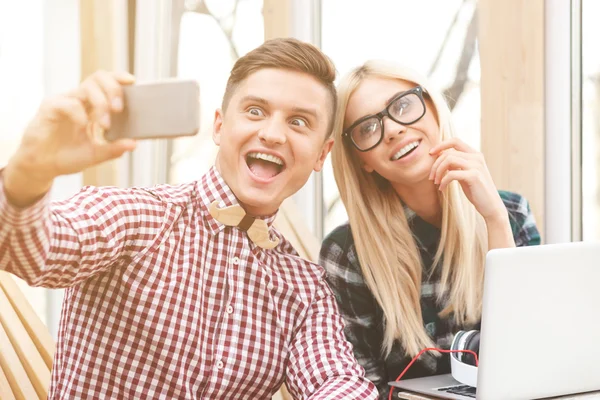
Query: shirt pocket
point(152, 269)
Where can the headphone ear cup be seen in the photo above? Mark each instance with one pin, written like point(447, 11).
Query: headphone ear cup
point(472, 343)
point(461, 344)
point(456, 341)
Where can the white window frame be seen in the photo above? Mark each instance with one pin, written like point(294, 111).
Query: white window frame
point(563, 194)
point(306, 26)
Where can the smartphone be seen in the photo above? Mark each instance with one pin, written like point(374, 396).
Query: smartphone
point(157, 110)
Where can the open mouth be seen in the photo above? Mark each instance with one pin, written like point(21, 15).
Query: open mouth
point(406, 150)
point(263, 165)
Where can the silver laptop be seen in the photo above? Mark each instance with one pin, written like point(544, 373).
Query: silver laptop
point(540, 328)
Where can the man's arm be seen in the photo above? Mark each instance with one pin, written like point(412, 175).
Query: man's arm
point(321, 364)
point(62, 244)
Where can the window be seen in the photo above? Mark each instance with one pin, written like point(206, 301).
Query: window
point(22, 83)
point(442, 45)
point(213, 35)
point(21, 69)
point(590, 124)
point(39, 56)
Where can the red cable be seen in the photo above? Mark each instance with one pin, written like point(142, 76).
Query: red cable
point(431, 349)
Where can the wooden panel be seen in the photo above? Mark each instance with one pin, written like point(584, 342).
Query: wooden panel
point(511, 45)
point(277, 16)
point(13, 370)
point(35, 327)
point(33, 363)
point(97, 19)
point(5, 389)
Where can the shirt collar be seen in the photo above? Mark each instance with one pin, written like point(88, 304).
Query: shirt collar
point(427, 235)
point(213, 187)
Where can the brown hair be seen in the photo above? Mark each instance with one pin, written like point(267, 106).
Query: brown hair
point(285, 53)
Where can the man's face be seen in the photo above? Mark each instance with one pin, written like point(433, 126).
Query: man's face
point(272, 137)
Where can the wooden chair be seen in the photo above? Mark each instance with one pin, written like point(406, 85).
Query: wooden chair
point(26, 347)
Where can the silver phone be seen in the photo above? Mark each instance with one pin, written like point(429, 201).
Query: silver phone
point(164, 109)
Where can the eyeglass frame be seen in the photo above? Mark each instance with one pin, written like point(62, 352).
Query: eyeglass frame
point(419, 91)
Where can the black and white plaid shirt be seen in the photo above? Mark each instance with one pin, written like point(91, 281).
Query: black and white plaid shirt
point(364, 317)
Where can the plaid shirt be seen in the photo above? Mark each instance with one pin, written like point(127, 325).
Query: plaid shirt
point(364, 316)
point(163, 301)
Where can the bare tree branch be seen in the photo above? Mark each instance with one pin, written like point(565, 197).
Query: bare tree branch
point(445, 41)
point(461, 77)
point(226, 23)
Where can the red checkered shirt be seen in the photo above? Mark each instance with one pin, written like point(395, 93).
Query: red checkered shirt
point(163, 301)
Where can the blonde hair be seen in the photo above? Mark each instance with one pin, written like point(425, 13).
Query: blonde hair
point(385, 246)
point(285, 53)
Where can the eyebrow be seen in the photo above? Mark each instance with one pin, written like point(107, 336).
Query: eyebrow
point(309, 111)
point(389, 101)
point(255, 99)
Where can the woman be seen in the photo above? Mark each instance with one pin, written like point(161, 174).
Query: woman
point(423, 212)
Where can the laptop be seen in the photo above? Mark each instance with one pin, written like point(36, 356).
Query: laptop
point(540, 327)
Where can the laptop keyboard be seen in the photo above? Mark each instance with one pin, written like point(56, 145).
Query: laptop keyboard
point(463, 390)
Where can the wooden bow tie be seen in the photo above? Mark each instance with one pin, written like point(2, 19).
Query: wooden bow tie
point(257, 229)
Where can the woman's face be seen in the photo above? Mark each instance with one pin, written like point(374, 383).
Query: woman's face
point(402, 156)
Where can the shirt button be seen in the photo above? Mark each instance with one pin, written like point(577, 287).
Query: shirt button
point(235, 261)
point(229, 309)
point(219, 364)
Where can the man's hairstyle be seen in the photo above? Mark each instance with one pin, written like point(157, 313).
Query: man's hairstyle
point(290, 54)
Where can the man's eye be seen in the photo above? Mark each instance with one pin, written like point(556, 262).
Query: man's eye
point(299, 122)
point(256, 112)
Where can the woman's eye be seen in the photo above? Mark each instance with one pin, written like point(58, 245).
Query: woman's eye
point(368, 128)
point(401, 106)
point(299, 122)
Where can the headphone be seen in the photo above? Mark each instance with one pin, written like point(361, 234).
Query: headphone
point(464, 358)
point(463, 365)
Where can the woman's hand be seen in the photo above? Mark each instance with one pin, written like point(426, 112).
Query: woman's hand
point(456, 161)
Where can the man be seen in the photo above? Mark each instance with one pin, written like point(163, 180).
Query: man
point(164, 299)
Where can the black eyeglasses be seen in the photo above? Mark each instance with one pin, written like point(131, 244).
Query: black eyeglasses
point(406, 108)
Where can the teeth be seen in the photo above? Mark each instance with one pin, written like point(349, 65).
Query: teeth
point(405, 150)
point(266, 157)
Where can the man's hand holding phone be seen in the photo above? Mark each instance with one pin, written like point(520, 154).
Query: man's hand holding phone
point(61, 137)
point(97, 122)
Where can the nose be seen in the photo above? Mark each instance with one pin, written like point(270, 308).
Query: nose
point(273, 132)
point(392, 129)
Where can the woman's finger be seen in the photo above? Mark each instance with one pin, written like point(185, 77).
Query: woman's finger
point(463, 176)
point(452, 143)
point(451, 162)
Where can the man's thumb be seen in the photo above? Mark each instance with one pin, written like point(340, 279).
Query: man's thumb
point(112, 150)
